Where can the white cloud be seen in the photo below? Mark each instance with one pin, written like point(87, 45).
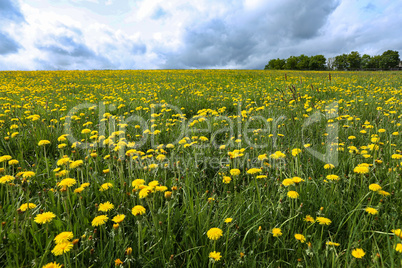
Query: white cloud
point(198, 34)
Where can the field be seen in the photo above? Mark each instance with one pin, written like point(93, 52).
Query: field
point(200, 168)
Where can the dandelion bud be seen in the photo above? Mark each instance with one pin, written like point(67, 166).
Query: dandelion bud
point(116, 226)
point(75, 241)
point(129, 251)
point(168, 194)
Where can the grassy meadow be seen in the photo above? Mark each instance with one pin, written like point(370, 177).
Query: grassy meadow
point(200, 168)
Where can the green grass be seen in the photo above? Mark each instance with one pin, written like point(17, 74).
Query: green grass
point(231, 104)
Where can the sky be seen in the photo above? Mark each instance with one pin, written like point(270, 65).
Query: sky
point(179, 34)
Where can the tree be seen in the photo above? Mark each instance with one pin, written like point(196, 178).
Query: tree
point(331, 63)
point(374, 62)
point(291, 63)
point(303, 62)
point(365, 61)
point(389, 59)
point(275, 64)
point(354, 60)
point(317, 62)
point(341, 62)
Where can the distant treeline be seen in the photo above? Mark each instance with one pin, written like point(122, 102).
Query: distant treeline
point(352, 61)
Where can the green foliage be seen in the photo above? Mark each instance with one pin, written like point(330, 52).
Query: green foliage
point(352, 61)
point(389, 59)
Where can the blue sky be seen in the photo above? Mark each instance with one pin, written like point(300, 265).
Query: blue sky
point(155, 34)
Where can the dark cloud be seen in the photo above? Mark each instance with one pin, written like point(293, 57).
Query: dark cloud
point(10, 11)
point(64, 52)
point(8, 45)
point(237, 37)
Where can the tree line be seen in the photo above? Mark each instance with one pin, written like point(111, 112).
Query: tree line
point(352, 61)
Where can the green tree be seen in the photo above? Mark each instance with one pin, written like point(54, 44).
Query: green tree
point(354, 60)
point(275, 64)
point(389, 59)
point(374, 62)
point(365, 61)
point(291, 63)
point(317, 62)
point(303, 62)
point(341, 62)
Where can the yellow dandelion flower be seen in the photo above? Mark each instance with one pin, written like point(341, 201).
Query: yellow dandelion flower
point(308, 218)
point(214, 233)
point(63, 237)
point(118, 262)
point(228, 220)
point(323, 221)
point(296, 151)
point(63, 161)
point(99, 220)
point(52, 265)
point(138, 210)
point(329, 166)
point(288, 182)
point(153, 184)
point(375, 187)
point(43, 142)
point(45, 217)
point(76, 164)
point(276, 232)
point(371, 211)
point(161, 188)
point(396, 156)
point(6, 179)
point(136, 183)
point(26, 206)
point(79, 190)
point(105, 207)
point(105, 186)
point(254, 170)
point(168, 194)
point(226, 179)
point(358, 253)
point(383, 193)
point(293, 194)
point(277, 155)
point(28, 174)
point(68, 182)
point(216, 256)
point(300, 237)
point(235, 172)
point(13, 162)
point(398, 247)
point(361, 169)
point(85, 185)
point(332, 177)
point(297, 180)
point(397, 232)
point(62, 248)
point(118, 218)
point(145, 192)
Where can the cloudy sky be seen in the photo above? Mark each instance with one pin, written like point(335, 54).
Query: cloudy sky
point(155, 34)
